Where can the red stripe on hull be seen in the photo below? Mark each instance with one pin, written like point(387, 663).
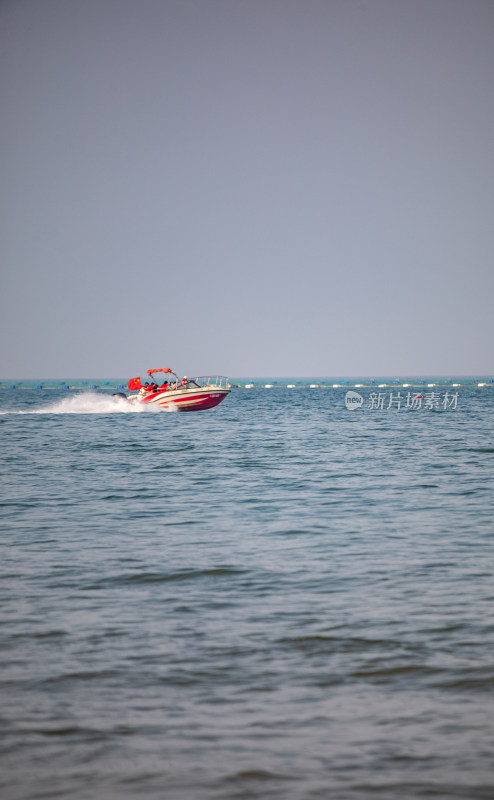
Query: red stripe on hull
point(186, 401)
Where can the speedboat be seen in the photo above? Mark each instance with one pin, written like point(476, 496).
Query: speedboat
point(175, 394)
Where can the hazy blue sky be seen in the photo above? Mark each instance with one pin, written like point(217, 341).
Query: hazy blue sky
point(250, 187)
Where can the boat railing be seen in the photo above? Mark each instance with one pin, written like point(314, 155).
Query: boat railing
point(216, 382)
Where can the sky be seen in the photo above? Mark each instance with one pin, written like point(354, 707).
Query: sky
point(246, 187)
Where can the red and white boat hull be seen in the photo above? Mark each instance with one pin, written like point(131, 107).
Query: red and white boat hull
point(193, 399)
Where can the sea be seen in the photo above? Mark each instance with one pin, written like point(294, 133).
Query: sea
point(286, 597)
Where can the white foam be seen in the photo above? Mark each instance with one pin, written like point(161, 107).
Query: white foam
point(92, 403)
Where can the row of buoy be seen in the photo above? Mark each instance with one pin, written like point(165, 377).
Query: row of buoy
point(359, 385)
point(60, 386)
point(343, 385)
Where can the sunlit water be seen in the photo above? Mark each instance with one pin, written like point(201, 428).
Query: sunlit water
point(277, 598)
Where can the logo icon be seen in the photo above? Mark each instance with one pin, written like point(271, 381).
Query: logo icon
point(353, 400)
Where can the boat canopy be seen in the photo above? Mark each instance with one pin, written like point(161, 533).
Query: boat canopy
point(161, 369)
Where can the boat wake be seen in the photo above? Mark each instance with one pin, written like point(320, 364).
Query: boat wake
point(92, 403)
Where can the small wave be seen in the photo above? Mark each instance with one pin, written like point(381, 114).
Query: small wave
point(73, 731)
point(164, 577)
point(92, 403)
point(250, 775)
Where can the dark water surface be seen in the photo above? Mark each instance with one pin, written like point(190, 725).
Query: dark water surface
point(277, 598)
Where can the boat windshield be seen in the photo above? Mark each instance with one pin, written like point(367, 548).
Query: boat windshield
point(216, 381)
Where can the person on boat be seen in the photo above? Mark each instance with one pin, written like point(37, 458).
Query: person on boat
point(164, 385)
point(183, 382)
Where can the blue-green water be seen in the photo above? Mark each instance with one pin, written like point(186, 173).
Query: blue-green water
point(277, 598)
